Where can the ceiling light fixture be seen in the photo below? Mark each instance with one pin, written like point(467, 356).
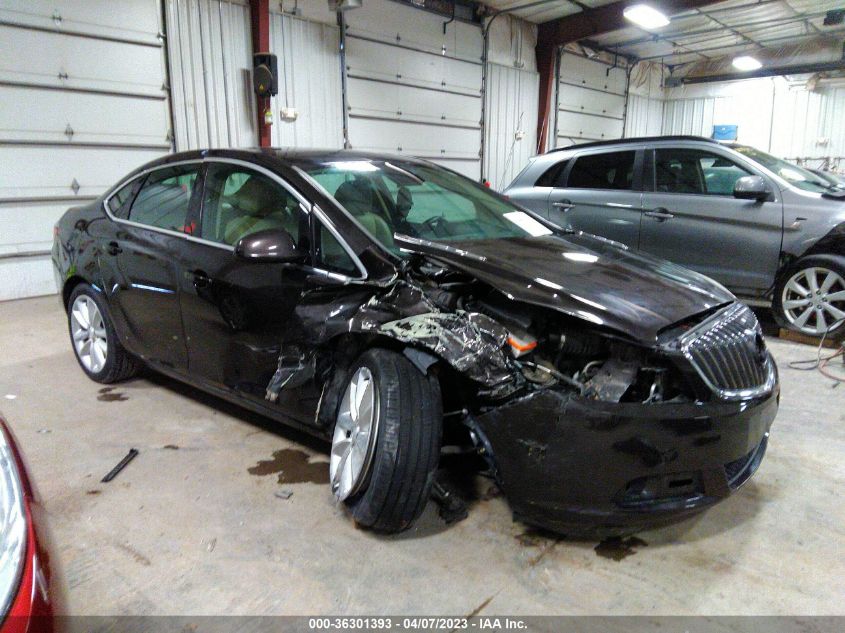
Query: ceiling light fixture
point(746, 63)
point(645, 16)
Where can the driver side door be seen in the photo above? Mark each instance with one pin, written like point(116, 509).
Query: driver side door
point(240, 316)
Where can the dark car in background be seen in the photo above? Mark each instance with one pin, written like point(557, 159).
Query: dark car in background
point(765, 228)
point(29, 593)
point(391, 305)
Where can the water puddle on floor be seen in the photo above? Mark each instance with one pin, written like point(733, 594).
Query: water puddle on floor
point(108, 394)
point(616, 548)
point(293, 467)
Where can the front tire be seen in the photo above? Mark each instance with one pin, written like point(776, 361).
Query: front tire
point(386, 442)
point(94, 339)
point(810, 296)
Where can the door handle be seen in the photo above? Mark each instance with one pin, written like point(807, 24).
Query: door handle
point(564, 205)
point(113, 248)
point(660, 214)
point(201, 279)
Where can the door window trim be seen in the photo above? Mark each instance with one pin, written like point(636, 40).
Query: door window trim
point(309, 209)
point(157, 229)
point(651, 164)
point(636, 174)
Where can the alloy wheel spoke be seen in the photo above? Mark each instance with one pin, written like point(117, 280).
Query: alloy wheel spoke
point(829, 280)
point(812, 280)
point(795, 303)
point(797, 288)
point(836, 296)
point(835, 312)
point(821, 322)
point(801, 321)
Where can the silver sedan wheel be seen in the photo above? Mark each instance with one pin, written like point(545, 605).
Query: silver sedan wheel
point(89, 334)
point(355, 434)
point(814, 300)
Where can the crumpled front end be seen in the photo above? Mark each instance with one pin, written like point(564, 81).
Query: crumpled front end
point(623, 454)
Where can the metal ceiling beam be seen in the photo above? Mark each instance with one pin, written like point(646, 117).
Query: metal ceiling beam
point(773, 71)
point(572, 28)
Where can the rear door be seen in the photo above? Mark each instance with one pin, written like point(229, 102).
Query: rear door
point(600, 193)
point(692, 218)
point(138, 262)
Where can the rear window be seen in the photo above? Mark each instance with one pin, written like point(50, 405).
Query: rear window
point(165, 197)
point(553, 176)
point(610, 170)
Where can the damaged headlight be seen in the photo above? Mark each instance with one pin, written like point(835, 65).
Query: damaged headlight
point(12, 525)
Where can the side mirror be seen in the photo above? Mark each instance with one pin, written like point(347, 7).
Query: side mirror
point(269, 245)
point(751, 188)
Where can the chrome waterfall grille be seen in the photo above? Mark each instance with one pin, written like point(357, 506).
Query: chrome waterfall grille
point(729, 353)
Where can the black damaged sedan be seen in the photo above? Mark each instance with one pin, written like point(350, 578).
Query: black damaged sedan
point(393, 306)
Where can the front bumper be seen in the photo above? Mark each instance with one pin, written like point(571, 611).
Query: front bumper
point(570, 465)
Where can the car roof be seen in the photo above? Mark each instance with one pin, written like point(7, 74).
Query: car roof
point(286, 155)
point(635, 140)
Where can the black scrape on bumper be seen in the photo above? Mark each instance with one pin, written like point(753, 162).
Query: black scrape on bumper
point(566, 463)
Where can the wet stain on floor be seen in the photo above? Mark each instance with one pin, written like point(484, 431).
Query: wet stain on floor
point(108, 394)
point(617, 548)
point(293, 467)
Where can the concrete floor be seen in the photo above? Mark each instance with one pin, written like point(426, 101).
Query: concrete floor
point(198, 529)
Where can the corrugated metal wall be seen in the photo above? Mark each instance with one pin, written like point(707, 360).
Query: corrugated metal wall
point(210, 54)
point(510, 137)
point(309, 81)
point(411, 88)
point(644, 116)
point(82, 102)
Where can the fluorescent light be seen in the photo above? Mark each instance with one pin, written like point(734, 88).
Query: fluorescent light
point(645, 16)
point(746, 63)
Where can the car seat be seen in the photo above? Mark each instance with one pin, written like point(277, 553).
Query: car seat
point(259, 205)
point(359, 198)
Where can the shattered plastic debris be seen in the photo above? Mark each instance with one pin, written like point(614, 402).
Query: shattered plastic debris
point(472, 343)
point(283, 494)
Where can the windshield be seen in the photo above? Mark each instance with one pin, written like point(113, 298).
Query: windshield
point(419, 200)
point(793, 174)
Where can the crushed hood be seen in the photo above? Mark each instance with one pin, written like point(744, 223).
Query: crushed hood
point(585, 277)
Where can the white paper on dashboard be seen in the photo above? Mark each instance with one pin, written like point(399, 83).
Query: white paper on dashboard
point(527, 223)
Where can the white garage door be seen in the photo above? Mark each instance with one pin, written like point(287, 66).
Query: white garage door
point(87, 106)
point(591, 100)
point(410, 88)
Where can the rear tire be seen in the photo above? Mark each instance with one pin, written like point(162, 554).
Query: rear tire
point(94, 339)
point(389, 490)
point(810, 296)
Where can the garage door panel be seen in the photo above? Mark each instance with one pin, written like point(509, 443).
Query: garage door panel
point(92, 117)
point(390, 63)
point(588, 101)
point(42, 171)
point(407, 103)
point(137, 20)
point(580, 71)
point(390, 22)
point(87, 63)
point(416, 139)
point(28, 226)
point(28, 277)
point(588, 127)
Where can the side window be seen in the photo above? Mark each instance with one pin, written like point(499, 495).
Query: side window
point(610, 170)
point(164, 198)
point(680, 170)
point(122, 198)
point(332, 256)
point(238, 201)
point(553, 176)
